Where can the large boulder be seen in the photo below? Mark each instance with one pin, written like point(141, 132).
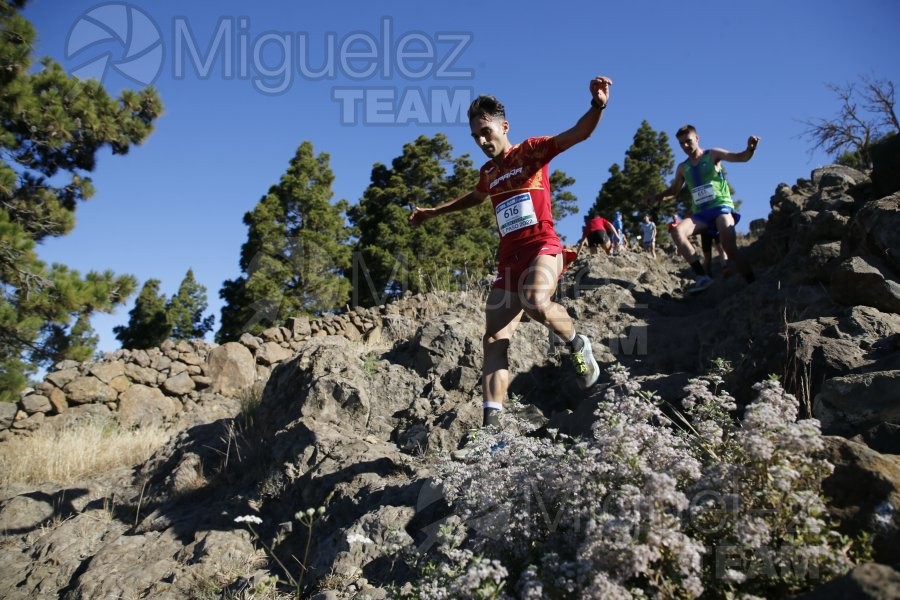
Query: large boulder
point(864, 495)
point(140, 405)
point(63, 376)
point(272, 353)
point(107, 371)
point(837, 176)
point(853, 403)
point(179, 385)
point(822, 351)
point(862, 280)
point(84, 390)
point(144, 375)
point(823, 258)
point(231, 369)
point(442, 345)
point(875, 229)
point(35, 403)
point(326, 384)
point(818, 226)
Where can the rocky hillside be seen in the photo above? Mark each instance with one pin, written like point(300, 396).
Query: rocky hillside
point(346, 416)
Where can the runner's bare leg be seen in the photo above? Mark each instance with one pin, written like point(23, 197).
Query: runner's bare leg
point(728, 237)
point(681, 236)
point(503, 311)
point(537, 295)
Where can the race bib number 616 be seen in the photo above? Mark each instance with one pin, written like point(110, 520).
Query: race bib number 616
point(515, 213)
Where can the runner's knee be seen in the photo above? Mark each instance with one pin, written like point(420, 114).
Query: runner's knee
point(498, 342)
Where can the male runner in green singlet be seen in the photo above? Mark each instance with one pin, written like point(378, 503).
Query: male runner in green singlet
point(711, 204)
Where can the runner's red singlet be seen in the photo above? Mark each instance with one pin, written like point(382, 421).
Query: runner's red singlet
point(520, 194)
point(522, 201)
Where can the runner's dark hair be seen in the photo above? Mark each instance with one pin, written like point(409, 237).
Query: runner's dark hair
point(488, 106)
point(685, 130)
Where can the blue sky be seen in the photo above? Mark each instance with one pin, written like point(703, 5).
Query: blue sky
point(245, 83)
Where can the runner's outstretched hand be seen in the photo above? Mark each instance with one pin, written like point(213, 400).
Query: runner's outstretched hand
point(420, 215)
point(599, 87)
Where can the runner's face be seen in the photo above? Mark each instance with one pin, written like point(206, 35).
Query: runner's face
point(689, 142)
point(490, 135)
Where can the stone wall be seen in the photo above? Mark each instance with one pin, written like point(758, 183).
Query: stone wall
point(158, 384)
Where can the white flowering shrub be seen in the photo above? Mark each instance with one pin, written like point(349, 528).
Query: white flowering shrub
point(759, 506)
point(655, 503)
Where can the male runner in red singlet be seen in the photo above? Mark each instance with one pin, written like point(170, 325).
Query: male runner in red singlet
point(517, 180)
point(597, 233)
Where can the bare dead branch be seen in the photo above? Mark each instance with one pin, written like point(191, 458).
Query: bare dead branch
point(865, 115)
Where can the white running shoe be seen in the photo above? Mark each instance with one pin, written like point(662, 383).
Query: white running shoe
point(702, 282)
point(585, 365)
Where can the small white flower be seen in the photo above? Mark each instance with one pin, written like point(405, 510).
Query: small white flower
point(734, 576)
point(248, 519)
point(355, 538)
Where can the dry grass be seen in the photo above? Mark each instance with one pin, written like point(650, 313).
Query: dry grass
point(74, 453)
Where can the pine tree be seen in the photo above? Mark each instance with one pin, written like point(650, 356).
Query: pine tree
point(648, 165)
point(75, 343)
point(391, 256)
point(51, 125)
point(185, 310)
point(296, 253)
point(148, 323)
point(82, 339)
